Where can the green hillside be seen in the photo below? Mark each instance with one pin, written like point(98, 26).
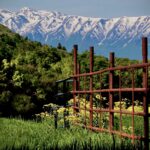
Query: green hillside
point(28, 71)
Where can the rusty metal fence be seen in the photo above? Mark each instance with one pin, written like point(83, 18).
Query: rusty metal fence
point(126, 85)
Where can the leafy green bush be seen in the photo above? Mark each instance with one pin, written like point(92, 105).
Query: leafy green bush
point(22, 104)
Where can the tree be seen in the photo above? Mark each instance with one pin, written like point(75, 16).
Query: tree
point(59, 46)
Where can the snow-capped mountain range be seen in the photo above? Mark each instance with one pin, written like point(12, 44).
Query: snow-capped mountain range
point(122, 35)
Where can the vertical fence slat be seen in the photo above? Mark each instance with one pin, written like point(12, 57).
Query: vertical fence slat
point(111, 83)
point(145, 98)
point(91, 85)
point(120, 100)
point(75, 78)
point(133, 100)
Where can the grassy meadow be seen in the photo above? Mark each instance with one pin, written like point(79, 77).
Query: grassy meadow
point(21, 134)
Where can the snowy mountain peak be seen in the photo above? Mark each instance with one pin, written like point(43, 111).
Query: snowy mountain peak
point(54, 27)
point(26, 9)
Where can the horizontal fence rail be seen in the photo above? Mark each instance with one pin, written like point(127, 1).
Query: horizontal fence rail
point(95, 101)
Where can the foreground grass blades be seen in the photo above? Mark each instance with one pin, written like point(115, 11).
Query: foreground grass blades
point(20, 134)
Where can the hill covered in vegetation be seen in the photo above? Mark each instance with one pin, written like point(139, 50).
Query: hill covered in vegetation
point(28, 71)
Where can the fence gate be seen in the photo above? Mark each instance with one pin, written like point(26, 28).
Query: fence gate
point(115, 99)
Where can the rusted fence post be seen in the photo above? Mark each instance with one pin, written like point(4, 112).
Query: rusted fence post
point(75, 50)
point(111, 82)
point(145, 97)
point(91, 85)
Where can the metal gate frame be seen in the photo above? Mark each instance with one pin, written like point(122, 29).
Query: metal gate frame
point(145, 66)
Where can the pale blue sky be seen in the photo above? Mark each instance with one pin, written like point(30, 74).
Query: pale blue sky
point(92, 8)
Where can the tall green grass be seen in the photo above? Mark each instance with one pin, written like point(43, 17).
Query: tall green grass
point(21, 134)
